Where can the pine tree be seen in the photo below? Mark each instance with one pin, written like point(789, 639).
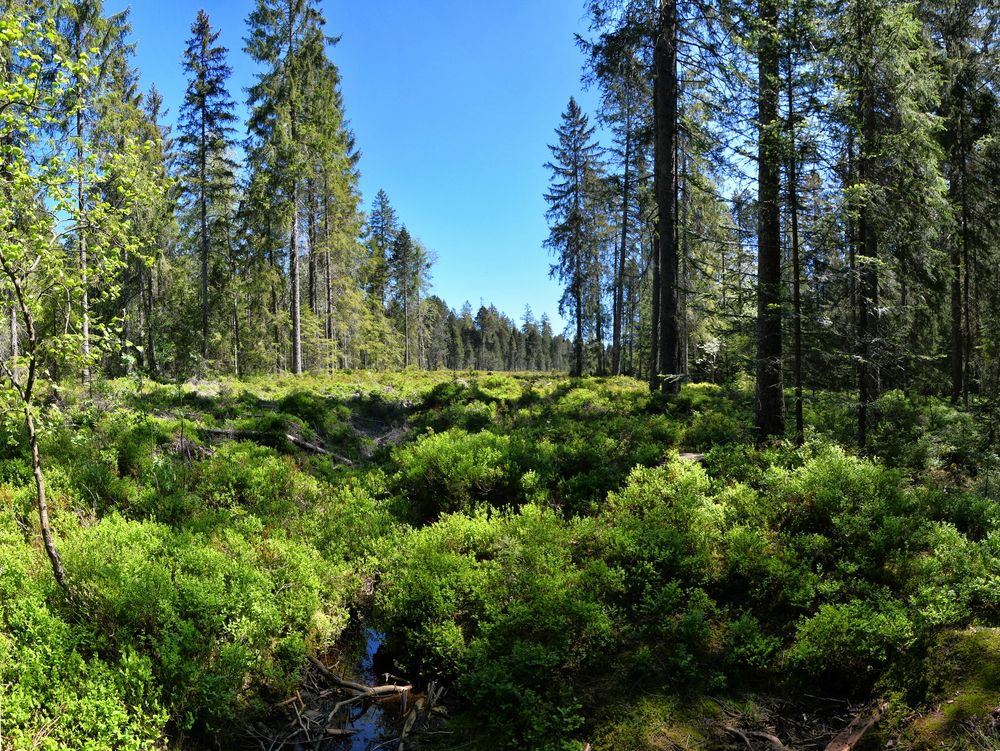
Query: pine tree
point(206, 128)
point(287, 40)
point(573, 230)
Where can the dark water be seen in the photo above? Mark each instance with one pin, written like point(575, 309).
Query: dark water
point(376, 723)
point(304, 725)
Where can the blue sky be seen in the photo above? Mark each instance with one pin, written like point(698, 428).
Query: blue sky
point(452, 102)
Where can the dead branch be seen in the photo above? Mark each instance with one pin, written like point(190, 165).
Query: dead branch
point(740, 734)
point(337, 680)
point(345, 703)
point(745, 735)
point(775, 742)
point(358, 688)
point(850, 736)
point(256, 435)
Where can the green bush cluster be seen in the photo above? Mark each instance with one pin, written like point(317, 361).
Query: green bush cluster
point(218, 617)
point(821, 566)
point(537, 543)
point(57, 691)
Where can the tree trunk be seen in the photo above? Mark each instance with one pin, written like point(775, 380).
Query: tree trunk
point(275, 272)
point(82, 243)
point(957, 365)
point(966, 353)
point(665, 179)
point(203, 200)
point(578, 343)
point(619, 302)
point(293, 245)
point(654, 318)
point(313, 208)
point(43, 508)
point(599, 333)
point(15, 349)
point(295, 292)
point(149, 301)
point(326, 258)
point(406, 325)
point(770, 412)
point(684, 246)
point(868, 274)
point(793, 208)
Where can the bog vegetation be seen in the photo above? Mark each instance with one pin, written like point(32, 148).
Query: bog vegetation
point(546, 547)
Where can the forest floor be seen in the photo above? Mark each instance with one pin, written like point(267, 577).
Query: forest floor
point(472, 560)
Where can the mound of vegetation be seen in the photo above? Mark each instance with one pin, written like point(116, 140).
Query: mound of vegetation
point(576, 560)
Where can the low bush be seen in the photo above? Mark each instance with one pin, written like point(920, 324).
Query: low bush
point(218, 620)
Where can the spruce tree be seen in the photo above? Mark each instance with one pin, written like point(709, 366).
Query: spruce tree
point(206, 138)
point(573, 215)
point(286, 39)
point(383, 226)
point(408, 268)
point(770, 399)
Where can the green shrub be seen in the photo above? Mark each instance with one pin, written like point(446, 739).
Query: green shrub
point(456, 470)
point(218, 618)
point(506, 605)
point(57, 693)
point(851, 642)
point(254, 477)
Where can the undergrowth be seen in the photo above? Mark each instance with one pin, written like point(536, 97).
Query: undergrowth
point(544, 546)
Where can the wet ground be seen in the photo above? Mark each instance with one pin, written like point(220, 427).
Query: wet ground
point(323, 716)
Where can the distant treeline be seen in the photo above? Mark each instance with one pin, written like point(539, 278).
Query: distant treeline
point(180, 249)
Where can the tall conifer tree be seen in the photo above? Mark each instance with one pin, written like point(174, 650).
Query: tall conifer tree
point(206, 128)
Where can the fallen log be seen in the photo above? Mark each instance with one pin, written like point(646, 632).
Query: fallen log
point(850, 736)
point(337, 680)
point(256, 435)
point(359, 688)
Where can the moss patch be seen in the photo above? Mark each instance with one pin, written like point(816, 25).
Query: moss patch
point(660, 723)
point(963, 679)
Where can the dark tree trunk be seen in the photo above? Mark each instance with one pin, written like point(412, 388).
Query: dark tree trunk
point(966, 353)
point(149, 303)
point(295, 292)
point(868, 274)
point(654, 350)
point(619, 303)
point(203, 201)
point(326, 258)
point(793, 208)
point(665, 179)
point(578, 342)
point(770, 413)
point(957, 365)
point(313, 208)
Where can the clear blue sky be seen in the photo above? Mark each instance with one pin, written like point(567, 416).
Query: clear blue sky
point(453, 103)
